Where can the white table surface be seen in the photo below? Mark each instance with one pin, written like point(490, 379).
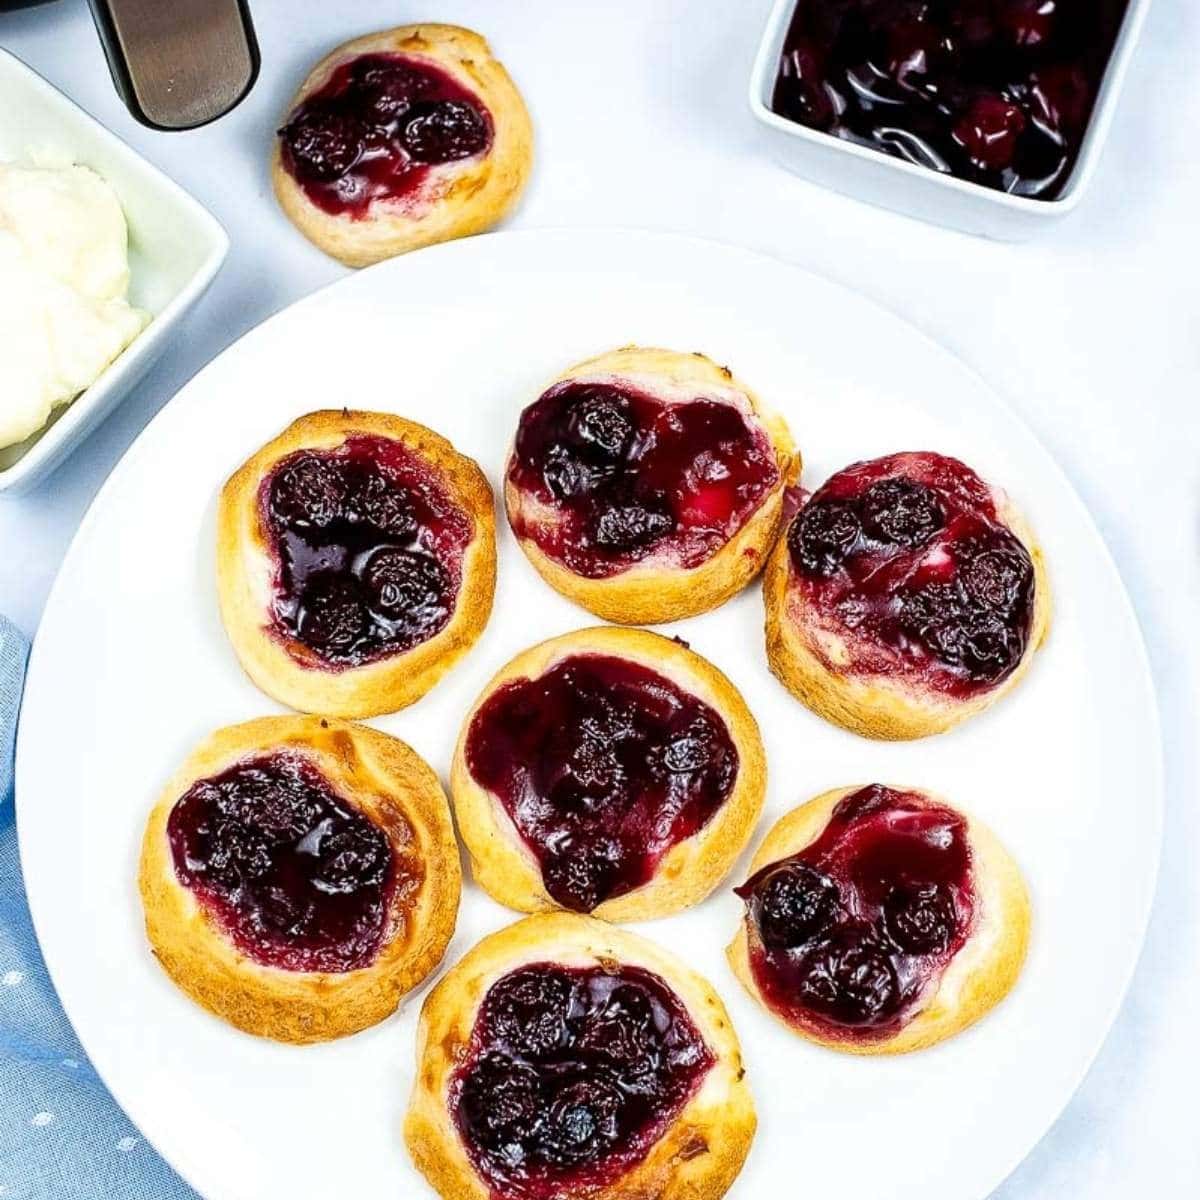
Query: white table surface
point(1091, 332)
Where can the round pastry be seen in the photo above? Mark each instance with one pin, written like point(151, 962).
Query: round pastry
point(563, 1057)
point(610, 771)
point(299, 876)
point(401, 139)
point(356, 562)
point(648, 485)
point(907, 596)
point(880, 920)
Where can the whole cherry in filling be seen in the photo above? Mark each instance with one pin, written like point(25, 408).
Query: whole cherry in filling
point(603, 765)
point(377, 127)
point(572, 1074)
point(907, 561)
point(369, 550)
point(848, 935)
point(626, 476)
point(296, 876)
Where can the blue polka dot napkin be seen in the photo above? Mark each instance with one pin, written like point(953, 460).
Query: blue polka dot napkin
point(62, 1136)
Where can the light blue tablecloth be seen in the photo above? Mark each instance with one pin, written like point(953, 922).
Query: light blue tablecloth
point(62, 1136)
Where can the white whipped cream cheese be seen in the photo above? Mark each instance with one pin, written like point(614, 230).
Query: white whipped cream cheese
point(64, 277)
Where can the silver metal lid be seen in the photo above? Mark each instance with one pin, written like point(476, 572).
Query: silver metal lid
point(178, 63)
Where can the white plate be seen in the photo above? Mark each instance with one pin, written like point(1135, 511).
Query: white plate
point(131, 668)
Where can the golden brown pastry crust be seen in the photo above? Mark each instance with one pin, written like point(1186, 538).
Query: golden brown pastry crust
point(468, 196)
point(887, 707)
point(979, 976)
point(395, 788)
point(701, 1152)
point(505, 868)
point(650, 593)
point(284, 668)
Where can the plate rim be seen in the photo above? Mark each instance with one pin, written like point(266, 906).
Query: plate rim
point(1153, 771)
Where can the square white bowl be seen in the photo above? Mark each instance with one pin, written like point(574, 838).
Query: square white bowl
point(890, 182)
point(175, 249)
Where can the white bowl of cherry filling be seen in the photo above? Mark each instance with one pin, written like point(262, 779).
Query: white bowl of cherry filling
point(983, 115)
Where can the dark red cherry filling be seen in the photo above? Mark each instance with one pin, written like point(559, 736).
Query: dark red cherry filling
point(617, 475)
point(998, 92)
point(603, 765)
point(848, 935)
point(906, 560)
point(376, 128)
point(369, 548)
point(295, 875)
point(572, 1074)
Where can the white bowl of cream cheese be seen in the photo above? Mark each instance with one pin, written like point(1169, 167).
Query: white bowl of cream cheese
point(100, 256)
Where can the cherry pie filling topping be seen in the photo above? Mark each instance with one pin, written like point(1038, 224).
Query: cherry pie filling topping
point(906, 561)
point(848, 935)
point(612, 476)
point(998, 92)
point(602, 765)
point(294, 875)
point(377, 129)
point(572, 1074)
point(369, 550)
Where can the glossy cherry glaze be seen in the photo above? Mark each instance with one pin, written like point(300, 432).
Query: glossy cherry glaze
point(572, 1075)
point(376, 129)
point(905, 559)
point(369, 550)
point(998, 92)
point(626, 476)
point(603, 765)
point(295, 875)
point(848, 935)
